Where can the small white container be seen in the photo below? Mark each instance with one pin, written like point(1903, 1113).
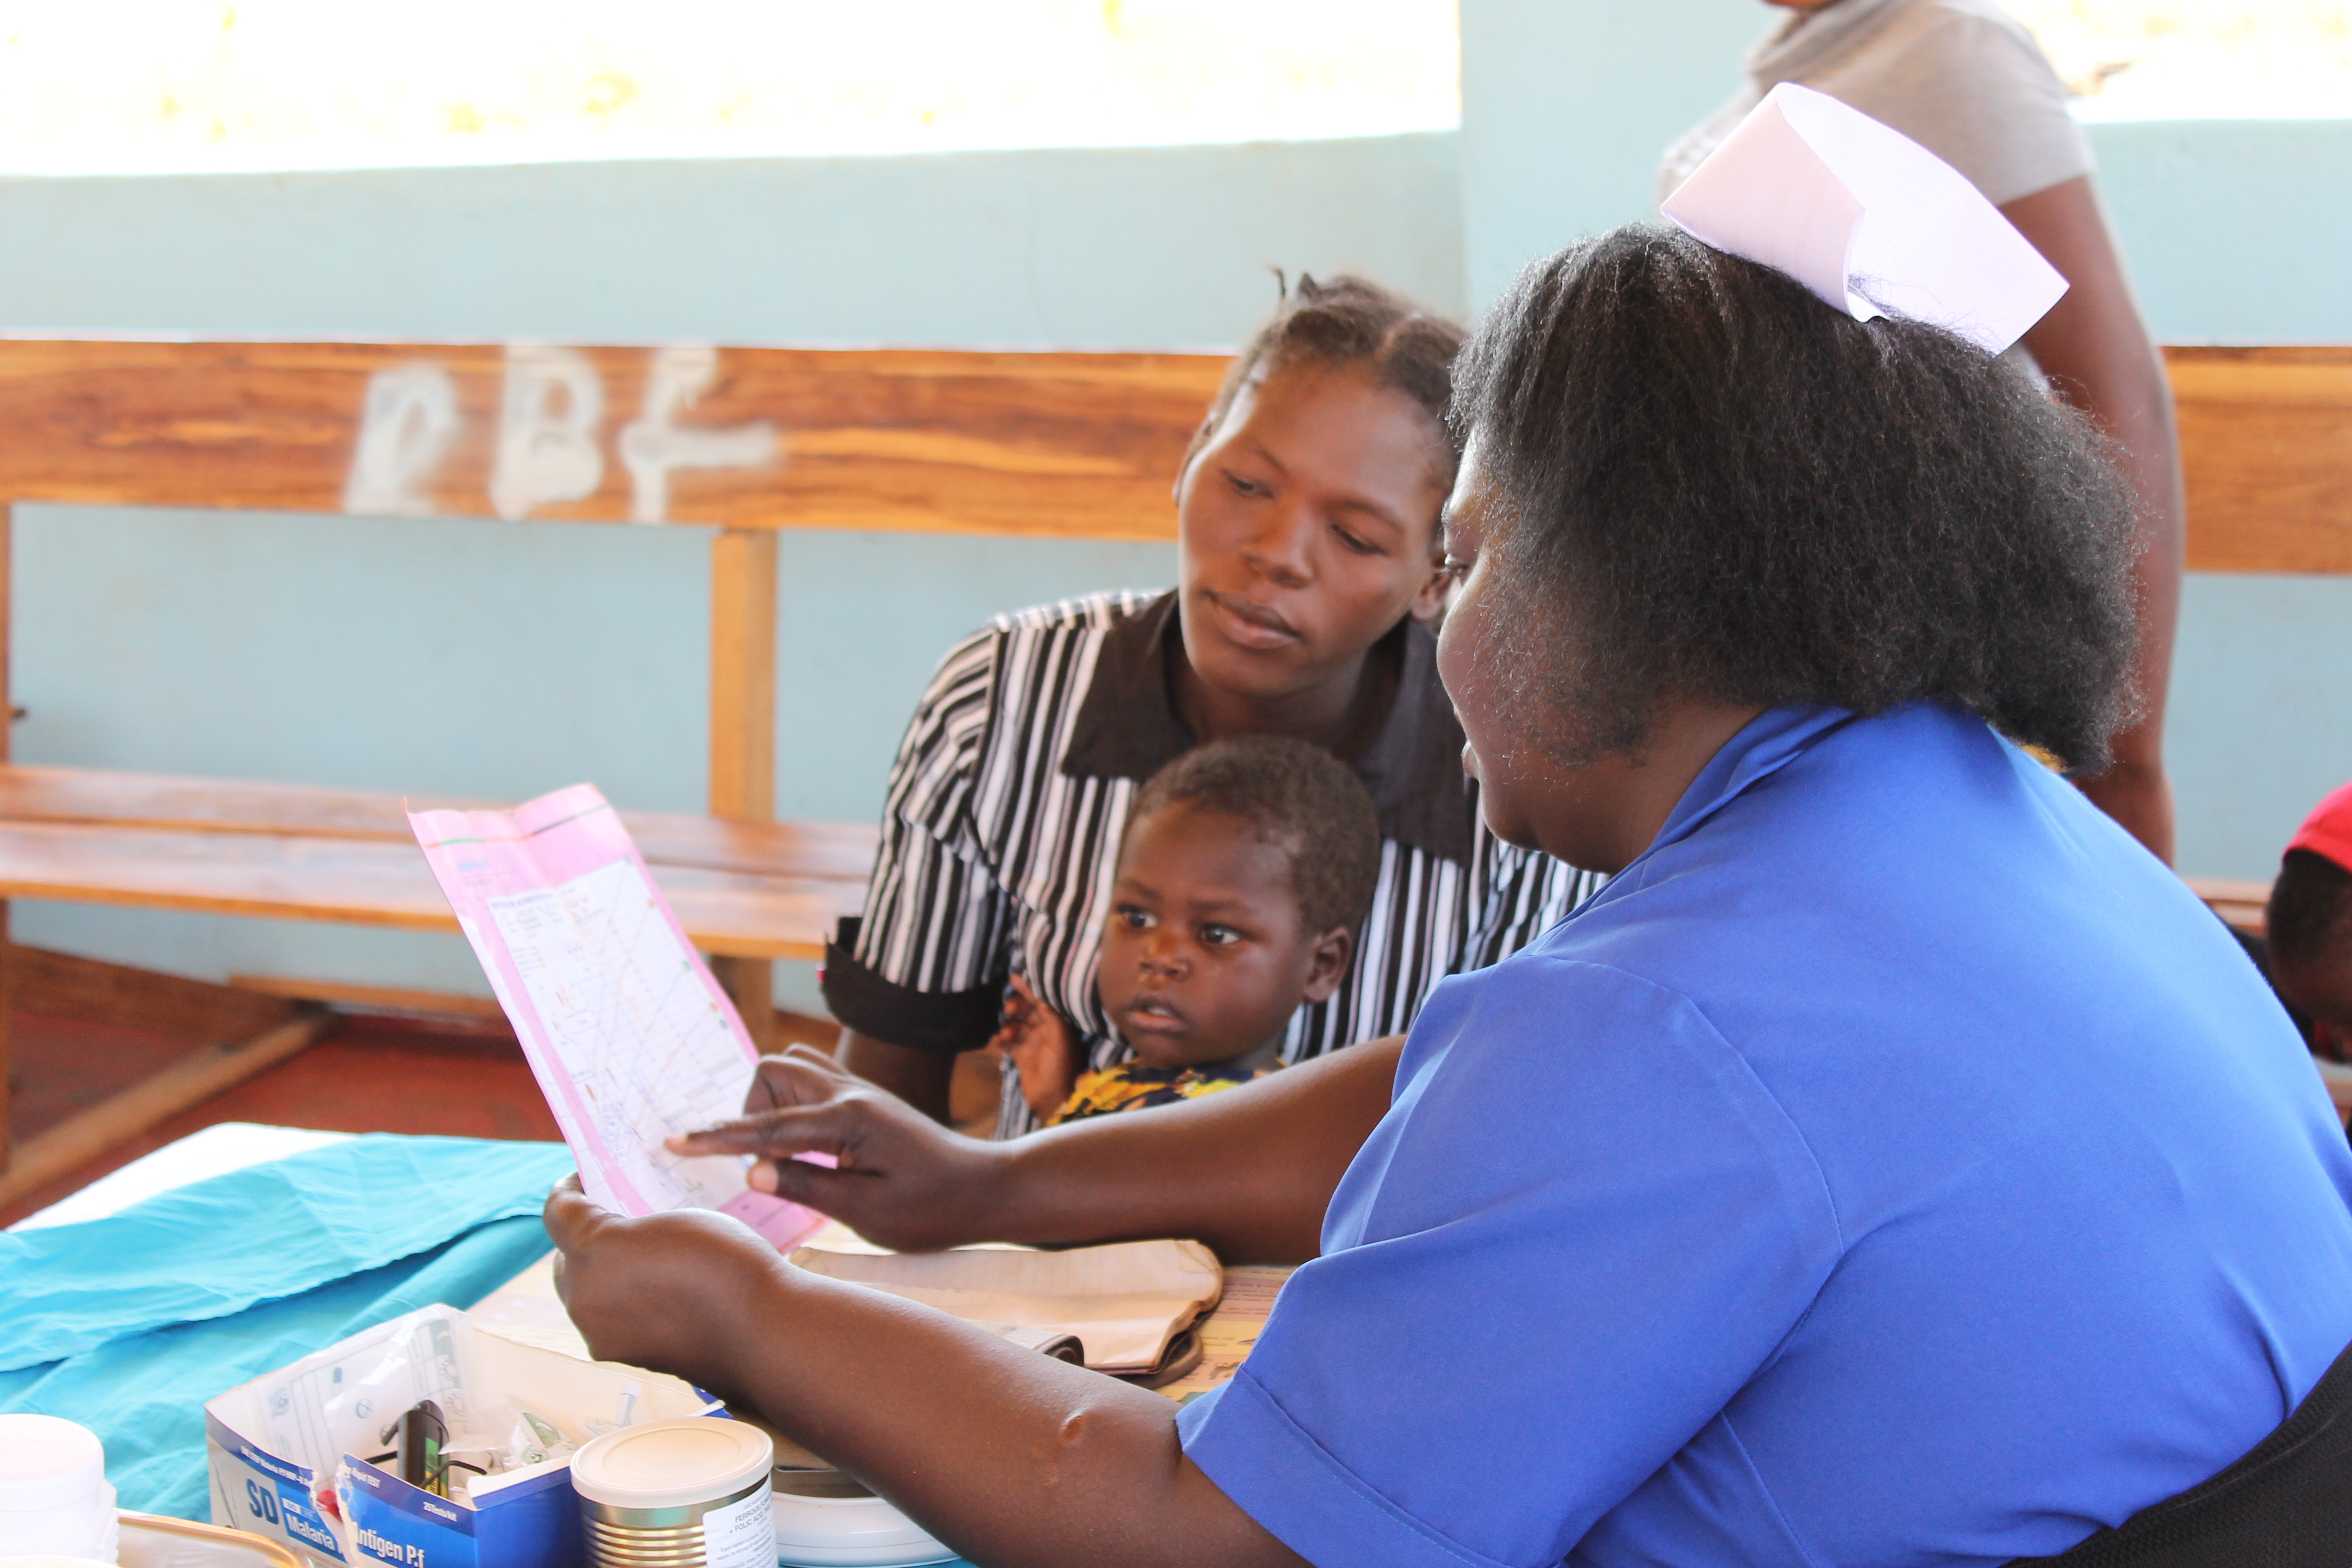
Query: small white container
point(678, 1494)
point(55, 1498)
point(859, 1531)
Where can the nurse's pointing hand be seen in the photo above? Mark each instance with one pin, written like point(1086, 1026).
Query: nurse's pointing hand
point(681, 1292)
point(901, 1178)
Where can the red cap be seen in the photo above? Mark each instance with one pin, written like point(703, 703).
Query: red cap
point(2327, 831)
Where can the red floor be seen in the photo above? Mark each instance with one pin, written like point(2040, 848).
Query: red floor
point(372, 1075)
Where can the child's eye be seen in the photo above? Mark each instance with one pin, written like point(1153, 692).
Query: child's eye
point(1134, 918)
point(1245, 486)
point(1219, 936)
point(1356, 542)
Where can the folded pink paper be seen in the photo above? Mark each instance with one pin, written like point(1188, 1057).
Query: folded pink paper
point(629, 1034)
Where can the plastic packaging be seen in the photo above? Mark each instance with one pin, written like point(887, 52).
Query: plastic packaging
point(55, 1498)
point(678, 1494)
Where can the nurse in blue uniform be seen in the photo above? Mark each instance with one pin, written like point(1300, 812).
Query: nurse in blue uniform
point(1893, 1165)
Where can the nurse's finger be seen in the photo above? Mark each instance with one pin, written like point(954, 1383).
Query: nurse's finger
point(795, 1076)
point(825, 1129)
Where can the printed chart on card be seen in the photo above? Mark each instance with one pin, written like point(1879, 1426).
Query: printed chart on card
point(630, 1037)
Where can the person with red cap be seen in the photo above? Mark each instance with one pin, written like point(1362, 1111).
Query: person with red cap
point(2309, 926)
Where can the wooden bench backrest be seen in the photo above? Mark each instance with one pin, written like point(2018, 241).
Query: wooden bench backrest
point(1073, 445)
point(752, 441)
point(2266, 446)
point(1080, 445)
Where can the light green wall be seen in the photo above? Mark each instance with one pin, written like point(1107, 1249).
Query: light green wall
point(1128, 248)
point(1565, 109)
point(2234, 231)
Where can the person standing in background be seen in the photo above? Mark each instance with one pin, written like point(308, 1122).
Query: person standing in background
point(1967, 81)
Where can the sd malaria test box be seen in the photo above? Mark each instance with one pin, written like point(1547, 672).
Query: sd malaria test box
point(297, 1456)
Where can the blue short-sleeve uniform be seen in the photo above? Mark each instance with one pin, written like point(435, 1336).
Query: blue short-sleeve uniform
point(1895, 1164)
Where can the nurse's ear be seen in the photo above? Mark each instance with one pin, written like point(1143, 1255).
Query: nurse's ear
point(1429, 601)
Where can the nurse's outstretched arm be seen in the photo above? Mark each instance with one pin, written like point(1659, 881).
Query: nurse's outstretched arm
point(1249, 1170)
point(1006, 1455)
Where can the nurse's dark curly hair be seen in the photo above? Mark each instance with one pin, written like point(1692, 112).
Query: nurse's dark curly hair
point(1705, 481)
point(1352, 323)
point(1291, 793)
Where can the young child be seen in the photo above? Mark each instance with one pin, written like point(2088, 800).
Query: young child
point(1246, 866)
point(2309, 927)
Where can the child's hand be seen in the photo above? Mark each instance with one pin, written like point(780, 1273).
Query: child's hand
point(1037, 1040)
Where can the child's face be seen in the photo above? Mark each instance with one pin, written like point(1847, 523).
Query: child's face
point(1203, 959)
point(2321, 991)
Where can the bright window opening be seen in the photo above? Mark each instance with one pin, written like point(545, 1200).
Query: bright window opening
point(2188, 59)
point(141, 86)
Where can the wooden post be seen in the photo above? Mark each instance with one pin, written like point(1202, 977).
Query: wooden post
point(743, 728)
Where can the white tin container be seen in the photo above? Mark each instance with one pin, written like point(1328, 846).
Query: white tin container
point(678, 1494)
point(55, 1500)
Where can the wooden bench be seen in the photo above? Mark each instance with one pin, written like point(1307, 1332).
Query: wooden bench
point(749, 441)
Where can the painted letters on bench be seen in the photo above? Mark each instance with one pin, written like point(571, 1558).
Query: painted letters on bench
point(546, 430)
point(411, 413)
point(551, 408)
point(651, 446)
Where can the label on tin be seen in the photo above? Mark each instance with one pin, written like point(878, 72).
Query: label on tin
point(742, 1535)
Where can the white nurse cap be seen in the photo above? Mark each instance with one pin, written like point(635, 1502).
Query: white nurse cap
point(1867, 219)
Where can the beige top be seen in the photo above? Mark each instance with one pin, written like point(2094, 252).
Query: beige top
point(1961, 78)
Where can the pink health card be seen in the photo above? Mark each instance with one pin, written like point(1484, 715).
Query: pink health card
point(629, 1034)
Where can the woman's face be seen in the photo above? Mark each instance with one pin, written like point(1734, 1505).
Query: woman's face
point(1307, 523)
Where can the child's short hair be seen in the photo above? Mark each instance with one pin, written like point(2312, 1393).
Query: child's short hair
point(2310, 907)
point(1294, 793)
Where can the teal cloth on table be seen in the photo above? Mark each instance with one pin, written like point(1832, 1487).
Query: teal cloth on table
point(129, 1324)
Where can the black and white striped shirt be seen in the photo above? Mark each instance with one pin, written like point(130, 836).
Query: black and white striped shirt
point(1002, 829)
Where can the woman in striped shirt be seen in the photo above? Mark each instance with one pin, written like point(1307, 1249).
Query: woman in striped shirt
point(1311, 576)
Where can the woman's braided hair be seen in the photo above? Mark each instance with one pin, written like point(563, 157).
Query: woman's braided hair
point(1349, 323)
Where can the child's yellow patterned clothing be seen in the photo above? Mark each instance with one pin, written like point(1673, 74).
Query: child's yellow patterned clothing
point(1137, 1086)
